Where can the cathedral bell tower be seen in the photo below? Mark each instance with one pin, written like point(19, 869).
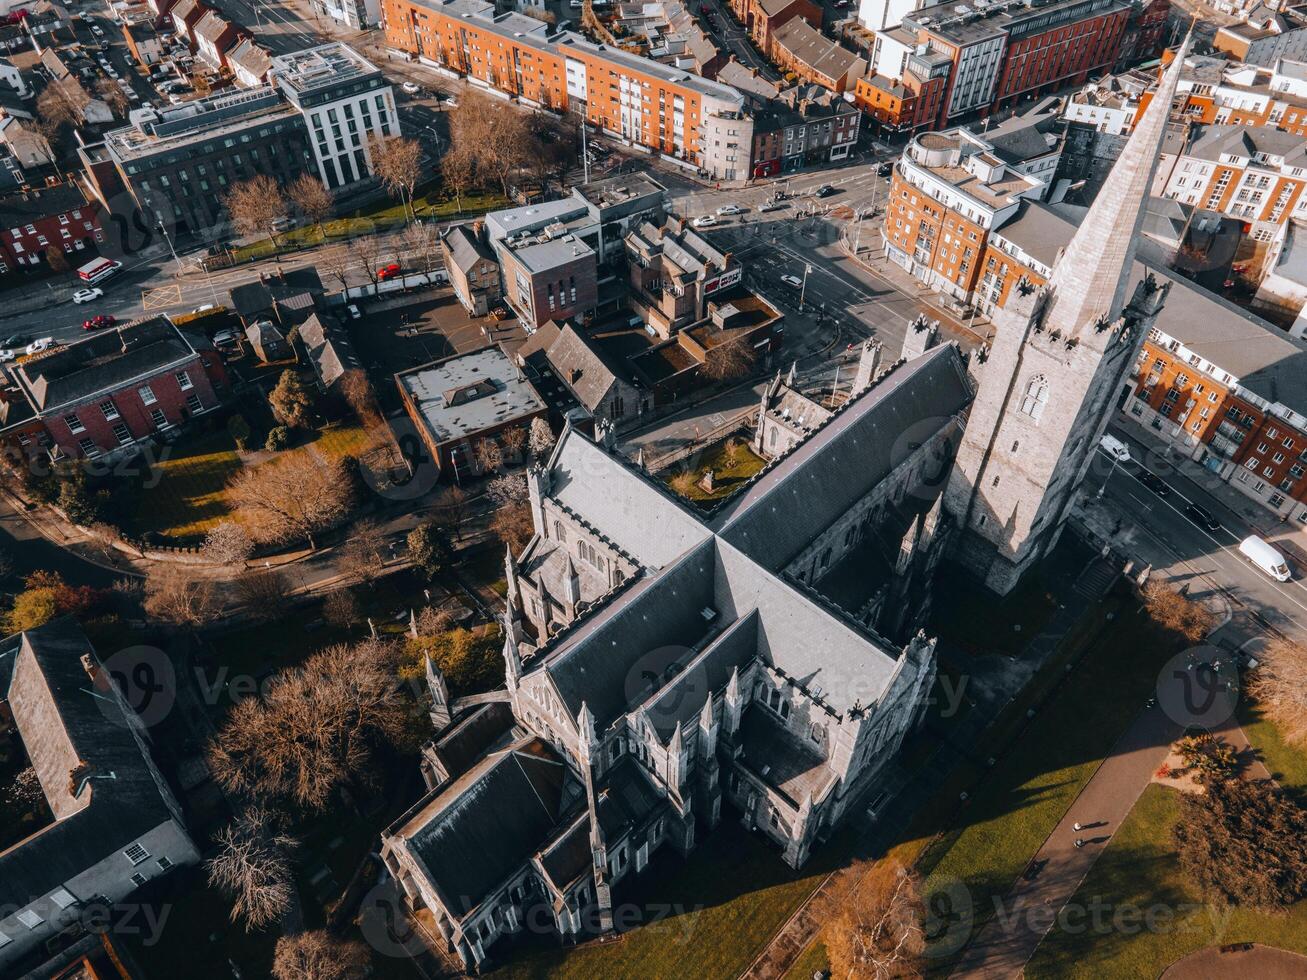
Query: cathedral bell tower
point(1057, 367)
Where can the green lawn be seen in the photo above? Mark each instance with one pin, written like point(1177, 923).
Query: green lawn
point(365, 222)
point(1159, 918)
point(810, 961)
point(1288, 764)
point(718, 909)
point(189, 498)
point(728, 473)
point(1012, 811)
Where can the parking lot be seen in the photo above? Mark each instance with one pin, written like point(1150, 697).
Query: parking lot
point(397, 335)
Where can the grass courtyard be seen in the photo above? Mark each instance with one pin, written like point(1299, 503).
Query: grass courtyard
point(732, 463)
point(186, 494)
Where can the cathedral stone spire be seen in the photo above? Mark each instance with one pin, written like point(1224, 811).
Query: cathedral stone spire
point(1090, 279)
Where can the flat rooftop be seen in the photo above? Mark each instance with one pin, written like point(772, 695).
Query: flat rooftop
point(978, 20)
point(620, 189)
point(321, 67)
point(464, 395)
point(203, 119)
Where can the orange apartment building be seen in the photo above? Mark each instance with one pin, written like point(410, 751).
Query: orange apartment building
point(1251, 173)
point(905, 106)
point(656, 106)
point(948, 191)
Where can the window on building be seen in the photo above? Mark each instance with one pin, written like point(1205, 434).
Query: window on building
point(1036, 397)
point(183, 380)
point(122, 434)
point(159, 419)
point(136, 853)
point(74, 423)
point(147, 394)
point(194, 404)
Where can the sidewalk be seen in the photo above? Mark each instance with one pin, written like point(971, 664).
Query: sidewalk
point(1029, 911)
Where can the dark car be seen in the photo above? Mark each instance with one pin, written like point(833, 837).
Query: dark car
point(1154, 483)
point(885, 169)
point(1202, 518)
point(825, 190)
point(16, 340)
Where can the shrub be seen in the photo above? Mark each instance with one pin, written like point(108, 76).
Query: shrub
point(278, 439)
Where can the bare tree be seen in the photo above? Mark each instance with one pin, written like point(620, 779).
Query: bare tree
point(423, 240)
point(55, 108)
point(311, 197)
point(56, 258)
point(497, 135)
point(513, 526)
point(298, 495)
point(1176, 612)
point(264, 592)
point(508, 490)
point(365, 252)
point(112, 95)
point(47, 131)
point(458, 171)
point(514, 442)
point(451, 511)
point(318, 955)
point(341, 608)
point(338, 263)
point(253, 866)
point(256, 206)
point(317, 729)
point(1280, 686)
point(433, 621)
point(489, 457)
point(362, 556)
point(541, 438)
point(730, 361)
point(397, 162)
point(174, 596)
point(227, 543)
point(357, 391)
point(879, 935)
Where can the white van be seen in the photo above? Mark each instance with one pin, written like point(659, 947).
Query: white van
point(1115, 448)
point(1260, 553)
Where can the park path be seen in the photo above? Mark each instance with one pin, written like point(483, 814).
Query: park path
point(1031, 908)
point(1220, 962)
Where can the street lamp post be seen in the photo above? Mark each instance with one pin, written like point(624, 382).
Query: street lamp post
point(803, 289)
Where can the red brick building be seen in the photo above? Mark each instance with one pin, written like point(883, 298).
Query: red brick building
point(35, 222)
point(103, 395)
point(761, 18)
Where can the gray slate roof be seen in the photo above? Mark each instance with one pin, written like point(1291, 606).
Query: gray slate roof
point(61, 726)
point(330, 352)
point(486, 825)
point(581, 368)
point(465, 248)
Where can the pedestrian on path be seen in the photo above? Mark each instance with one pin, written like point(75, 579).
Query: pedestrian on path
point(1076, 826)
point(1080, 842)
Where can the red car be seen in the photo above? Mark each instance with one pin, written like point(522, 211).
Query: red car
point(388, 271)
point(99, 322)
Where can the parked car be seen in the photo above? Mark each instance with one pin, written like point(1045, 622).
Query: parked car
point(97, 31)
point(793, 281)
point(1202, 518)
point(354, 312)
point(885, 169)
point(388, 271)
point(825, 190)
point(224, 338)
point(771, 205)
point(704, 221)
point(412, 88)
point(729, 209)
point(1115, 448)
point(7, 355)
point(99, 322)
point(16, 340)
point(86, 295)
point(1154, 483)
point(36, 346)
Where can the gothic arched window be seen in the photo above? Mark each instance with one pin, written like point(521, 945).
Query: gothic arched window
point(1036, 397)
